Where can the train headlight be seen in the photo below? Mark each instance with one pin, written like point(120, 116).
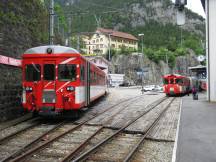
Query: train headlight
point(28, 89)
point(70, 88)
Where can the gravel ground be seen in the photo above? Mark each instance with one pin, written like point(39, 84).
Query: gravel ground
point(153, 151)
point(143, 123)
point(13, 129)
point(167, 126)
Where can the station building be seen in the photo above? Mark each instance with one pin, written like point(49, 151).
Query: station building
point(114, 80)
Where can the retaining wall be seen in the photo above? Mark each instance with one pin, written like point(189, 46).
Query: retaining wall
point(10, 92)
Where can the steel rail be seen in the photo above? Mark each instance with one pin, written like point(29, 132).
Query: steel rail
point(16, 122)
point(73, 153)
point(28, 153)
point(133, 151)
point(16, 153)
point(85, 155)
point(18, 132)
point(83, 144)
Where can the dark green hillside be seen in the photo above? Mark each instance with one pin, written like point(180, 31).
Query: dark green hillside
point(23, 24)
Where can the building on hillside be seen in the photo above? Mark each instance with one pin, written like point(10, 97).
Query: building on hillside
point(100, 41)
point(100, 62)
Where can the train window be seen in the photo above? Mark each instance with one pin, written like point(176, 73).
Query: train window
point(91, 77)
point(179, 81)
point(67, 72)
point(165, 81)
point(171, 81)
point(82, 73)
point(49, 72)
point(95, 77)
point(33, 72)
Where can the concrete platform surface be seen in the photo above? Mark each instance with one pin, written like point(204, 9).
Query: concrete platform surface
point(197, 131)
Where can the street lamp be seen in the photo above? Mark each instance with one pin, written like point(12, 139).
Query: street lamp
point(109, 49)
point(142, 36)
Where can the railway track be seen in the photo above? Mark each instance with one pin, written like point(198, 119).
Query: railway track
point(16, 121)
point(9, 152)
point(18, 128)
point(118, 143)
point(19, 141)
point(68, 144)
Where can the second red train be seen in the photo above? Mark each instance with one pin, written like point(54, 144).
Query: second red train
point(174, 84)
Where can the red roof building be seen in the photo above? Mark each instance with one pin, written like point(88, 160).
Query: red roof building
point(102, 40)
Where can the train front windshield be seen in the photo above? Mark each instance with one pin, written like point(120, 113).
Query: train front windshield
point(165, 81)
point(32, 72)
point(67, 72)
point(49, 72)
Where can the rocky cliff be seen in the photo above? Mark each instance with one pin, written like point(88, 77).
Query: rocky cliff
point(131, 65)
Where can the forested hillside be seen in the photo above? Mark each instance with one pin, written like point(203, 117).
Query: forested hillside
point(23, 24)
point(155, 18)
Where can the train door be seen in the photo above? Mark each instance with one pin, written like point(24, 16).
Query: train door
point(49, 82)
point(88, 84)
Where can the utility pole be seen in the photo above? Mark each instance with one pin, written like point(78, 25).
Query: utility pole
point(167, 61)
point(69, 31)
point(109, 48)
point(142, 37)
point(78, 42)
point(98, 21)
point(181, 36)
point(51, 23)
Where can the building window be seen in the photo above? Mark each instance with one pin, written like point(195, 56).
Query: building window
point(97, 46)
point(97, 40)
point(101, 45)
point(101, 39)
point(113, 45)
point(93, 41)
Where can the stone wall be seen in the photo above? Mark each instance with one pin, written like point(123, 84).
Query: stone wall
point(10, 92)
point(131, 64)
point(23, 24)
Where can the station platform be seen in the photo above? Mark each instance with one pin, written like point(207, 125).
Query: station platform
point(196, 140)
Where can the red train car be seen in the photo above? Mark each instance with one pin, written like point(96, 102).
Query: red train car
point(58, 79)
point(176, 84)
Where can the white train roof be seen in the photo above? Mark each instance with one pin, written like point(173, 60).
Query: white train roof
point(55, 50)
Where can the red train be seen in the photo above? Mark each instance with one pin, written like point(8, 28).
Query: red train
point(58, 79)
point(177, 84)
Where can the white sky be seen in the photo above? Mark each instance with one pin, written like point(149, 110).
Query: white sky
point(195, 6)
